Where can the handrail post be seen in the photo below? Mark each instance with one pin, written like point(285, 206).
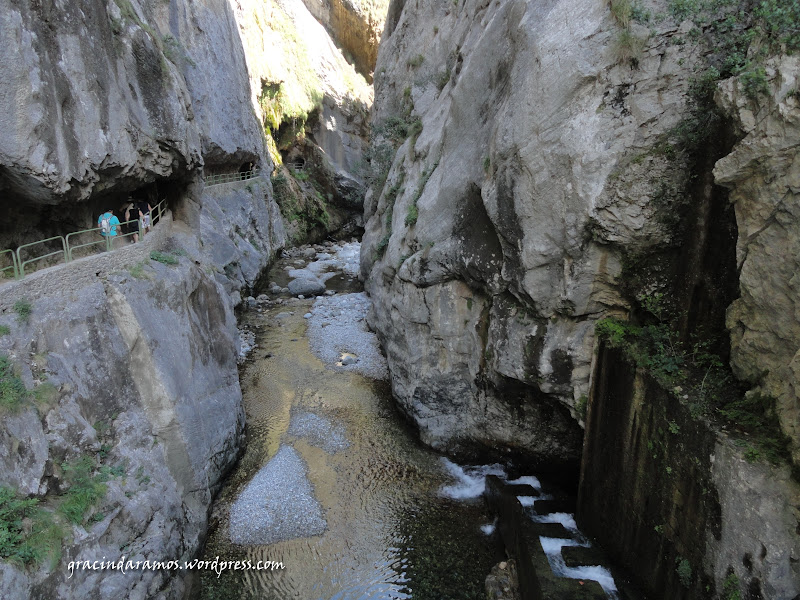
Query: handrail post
point(21, 266)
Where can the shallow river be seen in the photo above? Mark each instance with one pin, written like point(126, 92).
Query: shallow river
point(389, 530)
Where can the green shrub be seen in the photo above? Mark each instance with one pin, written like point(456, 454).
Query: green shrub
point(613, 331)
point(684, 570)
point(23, 308)
point(380, 249)
point(411, 215)
point(730, 588)
point(21, 543)
point(164, 258)
point(581, 405)
point(85, 489)
point(12, 390)
point(12, 512)
point(755, 414)
point(755, 82)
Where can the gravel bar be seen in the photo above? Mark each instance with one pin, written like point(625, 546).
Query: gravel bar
point(278, 504)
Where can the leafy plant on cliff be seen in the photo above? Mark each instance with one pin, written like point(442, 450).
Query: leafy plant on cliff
point(755, 414)
point(684, 571)
point(28, 533)
point(730, 588)
point(23, 308)
point(12, 389)
point(86, 488)
point(741, 37)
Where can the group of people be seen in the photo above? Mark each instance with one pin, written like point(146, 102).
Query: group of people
point(132, 217)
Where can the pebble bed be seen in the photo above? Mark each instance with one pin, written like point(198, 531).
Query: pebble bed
point(318, 431)
point(278, 504)
point(337, 327)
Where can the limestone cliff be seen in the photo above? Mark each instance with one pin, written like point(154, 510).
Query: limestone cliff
point(356, 27)
point(763, 172)
point(540, 166)
point(498, 239)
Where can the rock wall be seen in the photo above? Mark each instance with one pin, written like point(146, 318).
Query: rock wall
point(315, 105)
point(137, 357)
point(535, 173)
point(143, 364)
point(355, 26)
point(660, 487)
point(763, 173)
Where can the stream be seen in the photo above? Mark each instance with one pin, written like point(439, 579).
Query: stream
point(333, 483)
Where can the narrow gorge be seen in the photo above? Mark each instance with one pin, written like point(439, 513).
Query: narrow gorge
point(441, 299)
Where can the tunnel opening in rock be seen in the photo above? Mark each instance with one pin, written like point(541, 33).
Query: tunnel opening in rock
point(70, 228)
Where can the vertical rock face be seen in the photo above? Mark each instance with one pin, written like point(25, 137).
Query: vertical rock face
point(138, 358)
point(498, 238)
point(763, 173)
point(145, 384)
point(355, 26)
point(659, 487)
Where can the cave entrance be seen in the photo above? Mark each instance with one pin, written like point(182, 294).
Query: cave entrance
point(48, 234)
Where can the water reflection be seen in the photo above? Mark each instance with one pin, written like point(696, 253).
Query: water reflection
point(390, 532)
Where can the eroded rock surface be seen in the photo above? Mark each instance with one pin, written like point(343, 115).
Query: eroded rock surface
point(498, 239)
point(763, 172)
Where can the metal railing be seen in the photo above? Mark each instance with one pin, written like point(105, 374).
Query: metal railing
point(68, 246)
point(229, 177)
point(13, 266)
point(21, 263)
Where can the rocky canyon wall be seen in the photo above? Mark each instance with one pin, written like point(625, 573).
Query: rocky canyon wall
point(547, 165)
point(510, 210)
point(125, 367)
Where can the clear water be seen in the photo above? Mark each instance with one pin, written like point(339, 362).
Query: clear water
point(400, 523)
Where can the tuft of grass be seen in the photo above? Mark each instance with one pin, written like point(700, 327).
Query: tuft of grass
point(411, 215)
point(5, 330)
point(45, 395)
point(415, 61)
point(628, 47)
point(164, 258)
point(23, 308)
point(622, 10)
point(442, 79)
point(137, 271)
point(86, 488)
point(12, 389)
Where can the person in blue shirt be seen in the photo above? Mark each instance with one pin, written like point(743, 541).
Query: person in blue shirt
point(108, 223)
